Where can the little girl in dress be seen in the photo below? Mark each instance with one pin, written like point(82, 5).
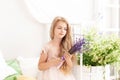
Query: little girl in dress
point(55, 62)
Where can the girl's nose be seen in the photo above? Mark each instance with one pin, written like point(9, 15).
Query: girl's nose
point(62, 30)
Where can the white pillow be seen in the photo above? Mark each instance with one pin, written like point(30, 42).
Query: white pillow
point(5, 70)
point(29, 66)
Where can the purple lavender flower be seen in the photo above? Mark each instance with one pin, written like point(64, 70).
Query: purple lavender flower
point(77, 46)
point(63, 58)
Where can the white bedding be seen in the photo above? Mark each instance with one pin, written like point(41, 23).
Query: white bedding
point(5, 70)
point(29, 66)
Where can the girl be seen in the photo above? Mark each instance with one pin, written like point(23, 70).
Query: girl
point(55, 62)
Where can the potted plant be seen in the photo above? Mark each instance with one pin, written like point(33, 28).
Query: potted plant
point(103, 50)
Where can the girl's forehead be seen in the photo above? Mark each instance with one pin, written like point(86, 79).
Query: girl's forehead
point(61, 23)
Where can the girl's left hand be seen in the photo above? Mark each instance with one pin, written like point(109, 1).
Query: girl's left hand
point(68, 57)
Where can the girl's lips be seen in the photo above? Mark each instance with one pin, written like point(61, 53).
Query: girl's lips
point(61, 34)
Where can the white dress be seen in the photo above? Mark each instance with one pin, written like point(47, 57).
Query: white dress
point(54, 73)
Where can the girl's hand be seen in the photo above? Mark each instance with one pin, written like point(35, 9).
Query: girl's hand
point(67, 56)
point(55, 61)
point(68, 60)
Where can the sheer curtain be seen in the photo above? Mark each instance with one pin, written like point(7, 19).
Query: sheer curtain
point(108, 12)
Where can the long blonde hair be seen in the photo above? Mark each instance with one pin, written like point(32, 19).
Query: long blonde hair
point(66, 42)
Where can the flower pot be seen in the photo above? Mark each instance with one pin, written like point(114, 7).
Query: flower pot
point(92, 72)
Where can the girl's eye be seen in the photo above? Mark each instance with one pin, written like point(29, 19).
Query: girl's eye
point(59, 28)
point(62, 28)
point(65, 28)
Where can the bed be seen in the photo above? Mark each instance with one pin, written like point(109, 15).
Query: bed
point(19, 68)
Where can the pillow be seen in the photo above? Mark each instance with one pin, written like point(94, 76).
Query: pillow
point(12, 77)
point(5, 70)
point(2, 61)
point(29, 66)
point(14, 63)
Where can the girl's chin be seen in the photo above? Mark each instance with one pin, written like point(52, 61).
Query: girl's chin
point(61, 36)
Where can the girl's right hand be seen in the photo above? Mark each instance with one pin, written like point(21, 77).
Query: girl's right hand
point(55, 61)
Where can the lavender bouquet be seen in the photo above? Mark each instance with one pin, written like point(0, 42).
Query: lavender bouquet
point(77, 46)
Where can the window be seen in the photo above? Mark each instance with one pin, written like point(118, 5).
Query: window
point(110, 12)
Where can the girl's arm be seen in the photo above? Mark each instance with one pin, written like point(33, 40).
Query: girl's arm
point(45, 64)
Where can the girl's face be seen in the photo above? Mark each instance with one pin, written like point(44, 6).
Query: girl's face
point(60, 29)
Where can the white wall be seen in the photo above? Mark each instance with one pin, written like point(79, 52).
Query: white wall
point(75, 12)
point(20, 33)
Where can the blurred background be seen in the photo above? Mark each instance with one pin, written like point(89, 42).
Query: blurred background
point(24, 24)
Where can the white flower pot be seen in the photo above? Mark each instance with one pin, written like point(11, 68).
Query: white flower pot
point(92, 73)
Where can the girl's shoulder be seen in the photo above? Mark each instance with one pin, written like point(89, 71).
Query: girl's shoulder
point(46, 47)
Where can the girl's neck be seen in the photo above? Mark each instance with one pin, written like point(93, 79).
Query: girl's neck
point(56, 42)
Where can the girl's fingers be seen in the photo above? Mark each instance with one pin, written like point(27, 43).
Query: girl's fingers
point(67, 55)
